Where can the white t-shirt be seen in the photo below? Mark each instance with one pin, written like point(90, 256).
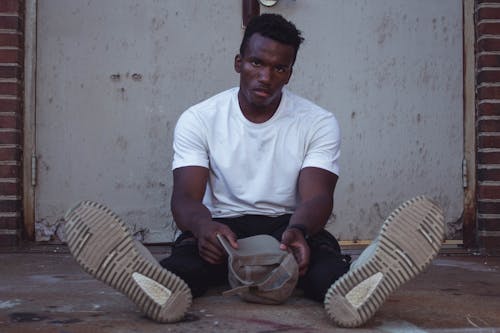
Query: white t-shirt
point(254, 168)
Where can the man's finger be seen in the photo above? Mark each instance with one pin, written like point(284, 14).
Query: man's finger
point(303, 270)
point(215, 251)
point(212, 257)
point(233, 241)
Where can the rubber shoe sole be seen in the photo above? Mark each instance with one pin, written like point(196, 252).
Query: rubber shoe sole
point(409, 239)
point(101, 243)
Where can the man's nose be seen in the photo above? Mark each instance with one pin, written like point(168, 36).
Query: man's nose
point(265, 74)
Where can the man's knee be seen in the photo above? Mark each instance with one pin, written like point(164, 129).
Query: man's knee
point(325, 268)
point(186, 263)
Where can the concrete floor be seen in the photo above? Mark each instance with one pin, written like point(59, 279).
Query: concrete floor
point(42, 289)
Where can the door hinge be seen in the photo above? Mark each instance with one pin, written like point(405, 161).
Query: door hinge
point(33, 169)
point(464, 173)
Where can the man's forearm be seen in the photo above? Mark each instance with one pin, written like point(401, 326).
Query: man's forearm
point(189, 214)
point(313, 214)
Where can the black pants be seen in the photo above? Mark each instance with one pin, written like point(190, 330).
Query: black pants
point(326, 263)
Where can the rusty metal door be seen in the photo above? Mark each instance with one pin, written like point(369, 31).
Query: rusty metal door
point(114, 75)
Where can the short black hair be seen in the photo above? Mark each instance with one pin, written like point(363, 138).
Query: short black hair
point(273, 26)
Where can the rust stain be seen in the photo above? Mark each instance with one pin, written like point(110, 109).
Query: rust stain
point(137, 77)
point(122, 142)
point(385, 29)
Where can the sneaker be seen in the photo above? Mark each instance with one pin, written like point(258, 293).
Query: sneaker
point(408, 241)
point(102, 244)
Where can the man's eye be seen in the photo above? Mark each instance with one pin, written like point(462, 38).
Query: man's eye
point(255, 63)
point(280, 69)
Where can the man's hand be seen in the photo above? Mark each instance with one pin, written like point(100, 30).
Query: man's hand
point(293, 240)
point(209, 246)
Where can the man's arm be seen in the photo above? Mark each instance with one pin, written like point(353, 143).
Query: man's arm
point(315, 188)
point(191, 215)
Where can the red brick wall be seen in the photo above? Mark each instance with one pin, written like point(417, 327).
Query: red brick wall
point(11, 93)
point(488, 123)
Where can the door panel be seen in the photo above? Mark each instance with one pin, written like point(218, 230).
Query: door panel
point(113, 76)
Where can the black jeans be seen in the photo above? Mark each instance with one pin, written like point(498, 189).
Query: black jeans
point(326, 263)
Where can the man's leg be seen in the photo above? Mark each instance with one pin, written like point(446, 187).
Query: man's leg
point(408, 241)
point(200, 275)
point(185, 262)
point(102, 244)
point(326, 265)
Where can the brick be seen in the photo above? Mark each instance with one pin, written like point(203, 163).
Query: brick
point(10, 222)
point(490, 243)
point(10, 154)
point(488, 76)
point(9, 171)
point(489, 109)
point(10, 105)
point(9, 240)
point(10, 206)
point(9, 6)
point(10, 72)
point(11, 23)
point(10, 188)
point(10, 120)
point(489, 141)
point(488, 28)
point(488, 13)
point(488, 174)
point(488, 157)
point(487, 44)
point(488, 93)
point(488, 224)
point(487, 1)
point(489, 192)
point(488, 125)
point(11, 40)
point(10, 138)
point(10, 88)
point(13, 56)
point(489, 208)
point(488, 60)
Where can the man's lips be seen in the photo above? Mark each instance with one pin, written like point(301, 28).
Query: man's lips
point(262, 92)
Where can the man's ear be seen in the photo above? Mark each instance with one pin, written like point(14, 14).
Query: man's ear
point(237, 63)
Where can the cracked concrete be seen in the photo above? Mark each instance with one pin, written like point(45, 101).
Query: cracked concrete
point(42, 289)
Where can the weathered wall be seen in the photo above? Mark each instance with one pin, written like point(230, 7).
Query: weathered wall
point(487, 18)
point(112, 80)
point(11, 68)
point(488, 112)
point(488, 123)
point(391, 71)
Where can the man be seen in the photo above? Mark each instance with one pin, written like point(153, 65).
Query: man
point(255, 160)
point(259, 159)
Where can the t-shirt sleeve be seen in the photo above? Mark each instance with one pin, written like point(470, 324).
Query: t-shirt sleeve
point(323, 150)
point(190, 144)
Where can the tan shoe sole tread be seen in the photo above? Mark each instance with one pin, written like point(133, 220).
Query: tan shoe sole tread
point(410, 238)
point(101, 243)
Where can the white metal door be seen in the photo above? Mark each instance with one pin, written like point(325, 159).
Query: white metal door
point(114, 75)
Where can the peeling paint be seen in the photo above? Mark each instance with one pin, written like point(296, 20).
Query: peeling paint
point(9, 304)
point(122, 143)
point(385, 29)
point(49, 230)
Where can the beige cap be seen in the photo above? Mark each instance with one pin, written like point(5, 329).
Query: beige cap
point(259, 271)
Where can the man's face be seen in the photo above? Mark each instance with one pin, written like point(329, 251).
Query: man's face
point(264, 68)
